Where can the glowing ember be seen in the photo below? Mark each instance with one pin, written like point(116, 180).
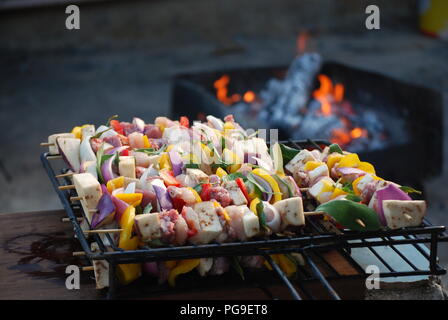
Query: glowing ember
point(222, 92)
point(249, 96)
point(302, 41)
point(340, 136)
point(358, 133)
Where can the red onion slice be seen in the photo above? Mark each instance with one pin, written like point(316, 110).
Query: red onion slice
point(390, 192)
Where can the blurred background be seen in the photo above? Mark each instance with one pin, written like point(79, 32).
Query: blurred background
point(127, 55)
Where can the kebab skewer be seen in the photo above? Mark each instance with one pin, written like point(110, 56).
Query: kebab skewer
point(172, 183)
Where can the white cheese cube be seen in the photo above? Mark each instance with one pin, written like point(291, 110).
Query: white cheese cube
point(404, 213)
point(148, 226)
point(299, 161)
point(251, 223)
point(89, 189)
point(196, 175)
point(101, 269)
point(322, 190)
point(53, 148)
point(69, 148)
point(126, 166)
point(209, 224)
point(320, 171)
point(235, 193)
point(291, 211)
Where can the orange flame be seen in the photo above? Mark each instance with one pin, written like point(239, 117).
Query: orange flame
point(331, 96)
point(358, 133)
point(340, 136)
point(302, 41)
point(249, 96)
point(325, 93)
point(222, 92)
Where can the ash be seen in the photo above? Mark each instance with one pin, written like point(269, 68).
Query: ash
point(287, 104)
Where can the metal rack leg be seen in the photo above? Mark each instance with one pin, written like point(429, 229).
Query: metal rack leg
point(433, 253)
point(284, 278)
point(112, 281)
point(321, 277)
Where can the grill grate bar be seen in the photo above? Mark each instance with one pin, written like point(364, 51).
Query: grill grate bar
point(284, 278)
point(379, 257)
point(402, 256)
point(321, 278)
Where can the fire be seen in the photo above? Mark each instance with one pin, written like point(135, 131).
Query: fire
point(358, 133)
point(302, 41)
point(340, 136)
point(326, 94)
point(331, 98)
point(222, 92)
point(249, 96)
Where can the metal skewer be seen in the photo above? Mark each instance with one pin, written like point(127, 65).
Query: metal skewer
point(89, 268)
point(63, 175)
point(54, 157)
point(104, 231)
point(68, 219)
point(67, 187)
point(47, 144)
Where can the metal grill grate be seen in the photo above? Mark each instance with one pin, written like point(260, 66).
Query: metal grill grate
point(311, 244)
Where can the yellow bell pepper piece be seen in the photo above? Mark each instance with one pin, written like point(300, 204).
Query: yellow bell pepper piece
point(207, 150)
point(183, 266)
point(127, 242)
point(277, 158)
point(287, 266)
point(338, 192)
point(350, 160)
point(333, 159)
point(146, 143)
point(127, 273)
point(277, 196)
point(196, 194)
point(161, 127)
point(190, 158)
point(231, 157)
point(228, 126)
point(220, 172)
point(253, 205)
point(115, 184)
point(133, 199)
point(355, 185)
point(164, 162)
point(224, 212)
point(366, 167)
point(170, 146)
point(77, 132)
point(311, 165)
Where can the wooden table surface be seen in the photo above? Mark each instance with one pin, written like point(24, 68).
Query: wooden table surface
point(36, 248)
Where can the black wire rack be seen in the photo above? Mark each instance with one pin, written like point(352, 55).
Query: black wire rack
point(311, 243)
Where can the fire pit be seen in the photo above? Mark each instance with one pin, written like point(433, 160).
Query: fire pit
point(388, 122)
